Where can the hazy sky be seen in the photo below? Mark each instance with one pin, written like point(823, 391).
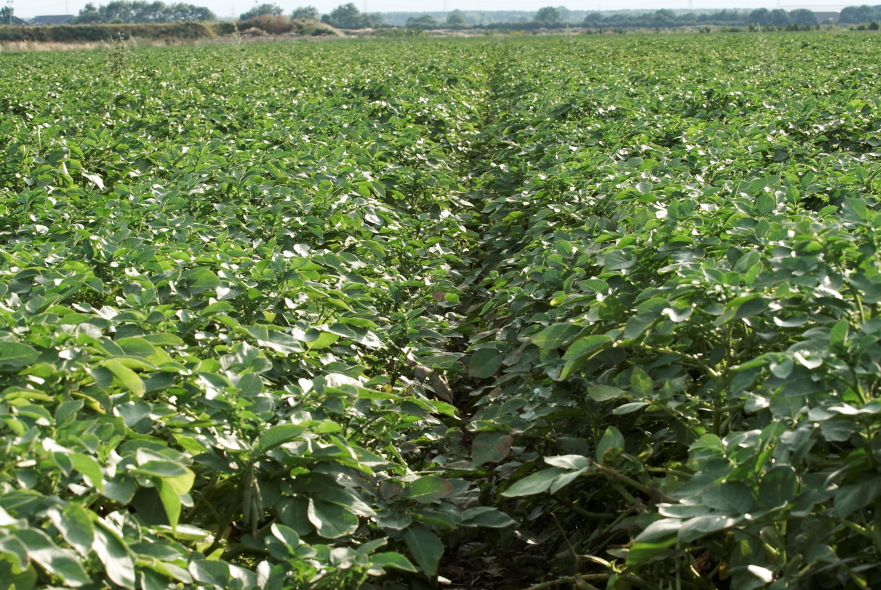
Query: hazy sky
point(30, 8)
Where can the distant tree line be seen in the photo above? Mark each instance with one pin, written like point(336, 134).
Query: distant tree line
point(761, 17)
point(669, 19)
point(347, 16)
point(123, 11)
point(857, 15)
point(262, 10)
point(551, 17)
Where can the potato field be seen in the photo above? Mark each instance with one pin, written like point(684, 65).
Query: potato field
point(492, 313)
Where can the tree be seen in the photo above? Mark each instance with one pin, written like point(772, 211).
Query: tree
point(857, 15)
point(377, 19)
point(122, 11)
point(455, 19)
point(759, 16)
point(664, 18)
point(270, 9)
point(548, 16)
point(804, 17)
point(305, 13)
point(779, 17)
point(186, 12)
point(88, 15)
point(425, 21)
point(6, 15)
point(593, 19)
point(347, 16)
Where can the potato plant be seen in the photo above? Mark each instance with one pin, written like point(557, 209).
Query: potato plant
point(590, 312)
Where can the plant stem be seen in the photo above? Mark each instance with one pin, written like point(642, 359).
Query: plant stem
point(632, 483)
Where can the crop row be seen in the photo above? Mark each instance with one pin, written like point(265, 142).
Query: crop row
point(677, 309)
point(215, 269)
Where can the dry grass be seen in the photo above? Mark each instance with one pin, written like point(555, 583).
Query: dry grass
point(135, 42)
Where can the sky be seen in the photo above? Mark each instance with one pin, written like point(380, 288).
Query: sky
point(31, 8)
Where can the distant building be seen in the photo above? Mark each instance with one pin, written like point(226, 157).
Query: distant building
point(827, 17)
point(44, 21)
point(16, 22)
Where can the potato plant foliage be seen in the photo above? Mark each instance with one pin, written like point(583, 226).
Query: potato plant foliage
point(602, 312)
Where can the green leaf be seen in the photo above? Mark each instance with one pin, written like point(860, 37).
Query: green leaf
point(128, 378)
point(485, 362)
point(701, 526)
point(556, 336)
point(294, 512)
point(199, 280)
point(779, 486)
point(115, 555)
point(324, 340)
point(170, 500)
point(277, 436)
point(14, 577)
point(346, 498)
point(612, 440)
point(838, 334)
point(584, 346)
point(397, 522)
point(491, 447)
point(371, 546)
point(75, 526)
point(641, 383)
point(618, 260)
point(568, 461)
point(331, 520)
point(429, 488)
point(748, 306)
point(533, 484)
point(731, 497)
point(642, 552)
point(180, 478)
point(604, 393)
point(637, 325)
point(661, 531)
point(598, 285)
point(392, 560)
point(214, 573)
point(565, 479)
point(629, 408)
point(16, 355)
point(765, 203)
point(136, 346)
point(58, 561)
point(488, 517)
point(88, 467)
point(286, 535)
point(163, 339)
point(851, 498)
point(425, 547)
